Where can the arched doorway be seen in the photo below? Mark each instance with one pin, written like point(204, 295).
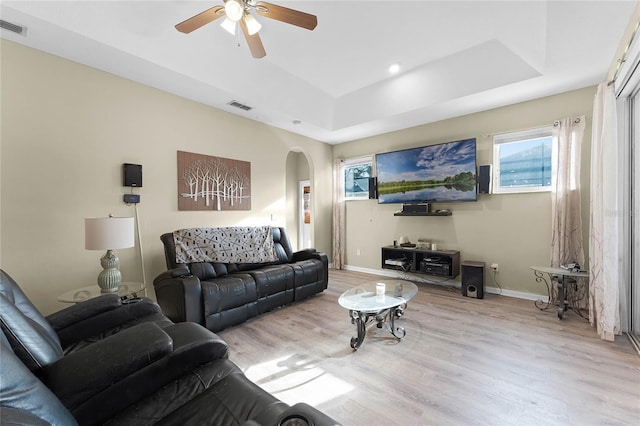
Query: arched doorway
point(299, 203)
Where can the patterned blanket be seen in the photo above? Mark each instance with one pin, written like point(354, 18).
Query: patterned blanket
point(242, 244)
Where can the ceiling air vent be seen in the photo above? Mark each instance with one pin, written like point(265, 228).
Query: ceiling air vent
point(239, 105)
point(18, 29)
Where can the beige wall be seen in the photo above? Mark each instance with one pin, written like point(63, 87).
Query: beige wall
point(67, 129)
point(512, 230)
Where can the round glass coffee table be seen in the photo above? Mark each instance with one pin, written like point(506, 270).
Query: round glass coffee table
point(377, 302)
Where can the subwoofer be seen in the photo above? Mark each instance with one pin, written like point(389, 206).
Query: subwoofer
point(473, 279)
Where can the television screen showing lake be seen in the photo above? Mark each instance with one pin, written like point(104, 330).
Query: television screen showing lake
point(440, 193)
point(430, 174)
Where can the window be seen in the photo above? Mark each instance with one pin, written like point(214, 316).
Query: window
point(522, 161)
point(356, 178)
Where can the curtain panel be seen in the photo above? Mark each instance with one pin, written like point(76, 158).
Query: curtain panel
point(566, 197)
point(605, 221)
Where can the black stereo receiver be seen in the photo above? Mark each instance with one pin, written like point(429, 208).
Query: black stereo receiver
point(435, 267)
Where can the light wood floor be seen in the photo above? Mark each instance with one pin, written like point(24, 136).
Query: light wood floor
point(494, 361)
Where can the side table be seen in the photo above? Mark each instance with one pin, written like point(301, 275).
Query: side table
point(126, 290)
point(568, 293)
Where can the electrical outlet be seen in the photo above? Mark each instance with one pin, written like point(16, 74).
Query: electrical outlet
point(494, 266)
point(357, 252)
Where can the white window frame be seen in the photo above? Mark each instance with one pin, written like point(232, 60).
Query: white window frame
point(351, 163)
point(520, 136)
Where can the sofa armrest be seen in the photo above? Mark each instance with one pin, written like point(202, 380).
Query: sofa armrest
point(180, 295)
point(298, 414)
point(179, 272)
point(203, 343)
point(306, 413)
point(99, 316)
point(310, 254)
point(81, 375)
point(81, 311)
point(193, 346)
point(305, 254)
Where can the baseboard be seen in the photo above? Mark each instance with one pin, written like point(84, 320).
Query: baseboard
point(447, 282)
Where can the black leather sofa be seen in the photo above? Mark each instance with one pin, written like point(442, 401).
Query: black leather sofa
point(219, 295)
point(139, 370)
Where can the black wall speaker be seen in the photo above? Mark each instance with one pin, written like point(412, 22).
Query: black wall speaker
point(373, 188)
point(132, 175)
point(484, 179)
point(473, 279)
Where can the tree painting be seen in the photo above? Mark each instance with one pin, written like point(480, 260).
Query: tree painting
point(213, 183)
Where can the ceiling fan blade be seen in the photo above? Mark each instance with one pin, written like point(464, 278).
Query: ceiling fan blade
point(200, 19)
point(254, 42)
point(284, 14)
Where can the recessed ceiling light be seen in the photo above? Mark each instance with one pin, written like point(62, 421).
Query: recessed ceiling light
point(394, 68)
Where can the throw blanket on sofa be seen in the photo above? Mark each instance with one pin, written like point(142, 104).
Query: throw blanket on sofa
point(242, 244)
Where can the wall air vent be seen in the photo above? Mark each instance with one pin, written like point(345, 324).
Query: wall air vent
point(18, 29)
point(239, 105)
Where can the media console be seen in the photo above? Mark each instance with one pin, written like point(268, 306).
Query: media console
point(443, 263)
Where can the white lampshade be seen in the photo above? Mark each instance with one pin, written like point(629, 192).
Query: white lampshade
point(234, 10)
point(108, 233)
point(229, 26)
point(253, 26)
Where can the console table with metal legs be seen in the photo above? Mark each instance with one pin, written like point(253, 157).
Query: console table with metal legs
point(570, 292)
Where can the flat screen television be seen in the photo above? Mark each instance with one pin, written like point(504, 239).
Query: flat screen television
point(439, 173)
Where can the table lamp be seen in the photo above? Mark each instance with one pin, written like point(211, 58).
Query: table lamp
point(109, 233)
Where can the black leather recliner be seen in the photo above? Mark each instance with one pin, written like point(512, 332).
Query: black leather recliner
point(154, 372)
point(219, 295)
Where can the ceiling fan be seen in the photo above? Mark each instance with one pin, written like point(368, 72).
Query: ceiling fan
point(238, 12)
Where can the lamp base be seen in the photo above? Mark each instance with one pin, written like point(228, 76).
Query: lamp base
point(110, 278)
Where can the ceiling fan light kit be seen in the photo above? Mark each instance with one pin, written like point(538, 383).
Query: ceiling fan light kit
point(237, 12)
point(253, 26)
point(233, 10)
point(229, 26)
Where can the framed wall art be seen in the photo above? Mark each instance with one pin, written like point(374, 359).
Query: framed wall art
point(213, 183)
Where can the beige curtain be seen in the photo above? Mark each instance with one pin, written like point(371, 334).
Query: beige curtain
point(604, 295)
point(338, 214)
point(566, 220)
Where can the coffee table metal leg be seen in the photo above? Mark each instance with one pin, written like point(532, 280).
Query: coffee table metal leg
point(358, 318)
point(385, 317)
point(394, 313)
